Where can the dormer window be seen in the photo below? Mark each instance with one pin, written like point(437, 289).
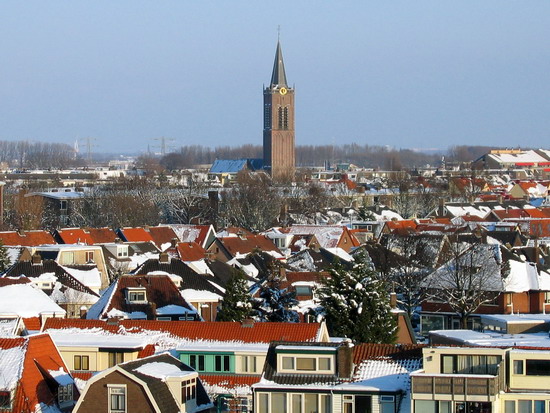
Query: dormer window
point(188, 390)
point(89, 256)
point(306, 364)
point(65, 393)
point(122, 251)
point(136, 295)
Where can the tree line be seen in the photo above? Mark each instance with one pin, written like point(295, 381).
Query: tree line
point(38, 155)
point(368, 156)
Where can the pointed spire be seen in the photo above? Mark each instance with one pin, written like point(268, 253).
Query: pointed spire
point(278, 78)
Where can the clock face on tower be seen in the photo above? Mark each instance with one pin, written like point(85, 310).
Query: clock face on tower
point(283, 91)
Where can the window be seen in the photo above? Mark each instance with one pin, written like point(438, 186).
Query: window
point(248, 364)
point(509, 406)
point(537, 367)
point(117, 399)
point(221, 363)
point(5, 400)
point(469, 364)
point(197, 362)
point(263, 403)
point(278, 402)
point(303, 290)
point(288, 363)
point(296, 400)
point(136, 296)
point(115, 358)
point(518, 366)
point(348, 404)
point(547, 297)
point(188, 390)
point(63, 205)
point(68, 258)
point(303, 363)
point(324, 363)
point(267, 116)
point(65, 393)
point(81, 363)
point(164, 319)
point(122, 251)
point(89, 256)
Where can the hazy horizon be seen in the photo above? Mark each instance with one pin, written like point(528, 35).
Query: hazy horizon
point(426, 75)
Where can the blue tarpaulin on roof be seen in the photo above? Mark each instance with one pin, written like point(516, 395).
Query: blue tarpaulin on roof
point(235, 165)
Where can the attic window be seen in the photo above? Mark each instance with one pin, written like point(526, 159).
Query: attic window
point(65, 393)
point(136, 296)
point(122, 251)
point(188, 390)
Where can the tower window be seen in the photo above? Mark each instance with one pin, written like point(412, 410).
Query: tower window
point(283, 117)
point(267, 116)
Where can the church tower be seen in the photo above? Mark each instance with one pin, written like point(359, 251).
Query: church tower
point(279, 156)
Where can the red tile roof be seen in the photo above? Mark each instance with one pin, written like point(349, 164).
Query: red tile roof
point(160, 290)
point(229, 381)
point(247, 244)
point(190, 251)
point(536, 213)
point(403, 224)
point(75, 236)
point(205, 330)
point(102, 235)
point(10, 281)
point(40, 357)
point(32, 323)
point(27, 238)
point(162, 235)
point(369, 351)
point(136, 235)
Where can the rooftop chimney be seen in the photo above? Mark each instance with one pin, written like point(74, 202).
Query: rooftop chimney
point(247, 323)
point(345, 359)
point(36, 258)
point(164, 258)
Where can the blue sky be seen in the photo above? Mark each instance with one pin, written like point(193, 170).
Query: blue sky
point(422, 74)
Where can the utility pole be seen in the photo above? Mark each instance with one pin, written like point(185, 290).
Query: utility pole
point(89, 142)
point(164, 144)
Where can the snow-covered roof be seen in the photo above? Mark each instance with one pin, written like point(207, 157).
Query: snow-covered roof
point(161, 370)
point(490, 339)
point(11, 366)
point(26, 301)
point(90, 277)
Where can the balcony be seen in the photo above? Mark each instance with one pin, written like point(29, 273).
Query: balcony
point(458, 386)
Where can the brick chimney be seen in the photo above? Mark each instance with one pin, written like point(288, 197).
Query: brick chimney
point(164, 258)
point(247, 323)
point(344, 360)
point(36, 258)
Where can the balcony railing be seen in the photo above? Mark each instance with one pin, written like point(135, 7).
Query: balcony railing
point(459, 384)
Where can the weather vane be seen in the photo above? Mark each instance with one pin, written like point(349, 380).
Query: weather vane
point(278, 32)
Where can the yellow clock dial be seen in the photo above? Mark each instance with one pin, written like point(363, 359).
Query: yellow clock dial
point(283, 91)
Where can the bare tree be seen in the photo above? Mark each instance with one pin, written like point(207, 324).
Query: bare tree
point(252, 203)
point(415, 255)
point(470, 277)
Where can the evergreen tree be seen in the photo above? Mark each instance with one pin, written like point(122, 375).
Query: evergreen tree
point(5, 260)
point(236, 303)
point(356, 303)
point(276, 302)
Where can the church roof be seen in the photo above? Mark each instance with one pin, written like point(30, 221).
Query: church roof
point(278, 78)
